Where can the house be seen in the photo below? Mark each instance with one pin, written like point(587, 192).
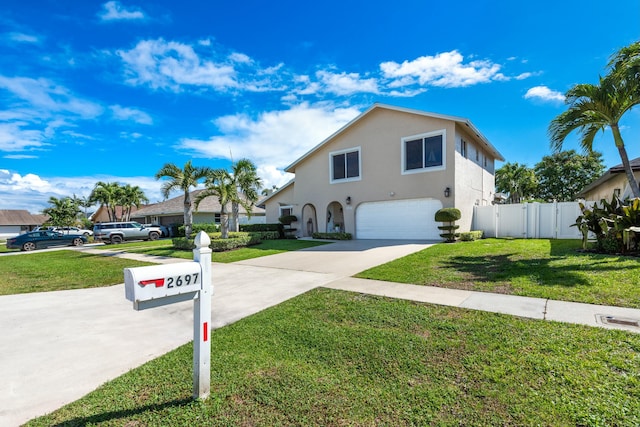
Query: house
point(171, 212)
point(386, 173)
point(13, 222)
point(614, 181)
point(102, 213)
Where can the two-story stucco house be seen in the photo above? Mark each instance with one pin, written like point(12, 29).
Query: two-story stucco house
point(386, 173)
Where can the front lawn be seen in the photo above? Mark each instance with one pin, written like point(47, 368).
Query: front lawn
point(266, 247)
point(537, 268)
point(331, 358)
point(60, 270)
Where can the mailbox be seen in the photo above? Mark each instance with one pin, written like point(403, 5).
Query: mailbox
point(157, 285)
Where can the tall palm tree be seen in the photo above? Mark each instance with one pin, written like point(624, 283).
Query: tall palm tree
point(625, 64)
point(247, 184)
point(62, 212)
point(131, 196)
point(107, 194)
point(220, 183)
point(592, 108)
point(182, 179)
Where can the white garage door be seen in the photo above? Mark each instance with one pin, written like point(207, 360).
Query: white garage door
point(398, 219)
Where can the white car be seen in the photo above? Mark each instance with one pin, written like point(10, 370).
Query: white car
point(73, 230)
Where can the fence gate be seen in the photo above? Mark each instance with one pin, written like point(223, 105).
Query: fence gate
point(528, 220)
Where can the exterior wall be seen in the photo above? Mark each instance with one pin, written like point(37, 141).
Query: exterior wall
point(379, 137)
point(282, 198)
point(474, 182)
point(605, 190)
point(12, 230)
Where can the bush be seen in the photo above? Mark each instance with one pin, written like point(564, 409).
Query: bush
point(288, 219)
point(195, 228)
point(469, 236)
point(332, 236)
point(235, 240)
point(448, 215)
point(252, 228)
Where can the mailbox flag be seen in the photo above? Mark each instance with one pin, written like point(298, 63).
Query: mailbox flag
point(158, 282)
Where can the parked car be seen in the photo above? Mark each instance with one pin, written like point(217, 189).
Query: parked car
point(117, 232)
point(163, 229)
point(44, 239)
point(73, 230)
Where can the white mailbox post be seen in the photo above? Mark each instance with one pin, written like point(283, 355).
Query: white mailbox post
point(158, 285)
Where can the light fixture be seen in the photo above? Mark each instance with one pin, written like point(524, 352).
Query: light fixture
point(348, 200)
point(447, 192)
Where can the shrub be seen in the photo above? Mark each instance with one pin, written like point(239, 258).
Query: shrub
point(195, 228)
point(252, 228)
point(182, 243)
point(448, 215)
point(288, 219)
point(469, 236)
point(235, 240)
point(332, 236)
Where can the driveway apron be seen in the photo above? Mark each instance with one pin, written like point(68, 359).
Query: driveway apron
point(58, 346)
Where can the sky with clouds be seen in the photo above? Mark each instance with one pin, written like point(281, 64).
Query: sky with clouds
point(111, 91)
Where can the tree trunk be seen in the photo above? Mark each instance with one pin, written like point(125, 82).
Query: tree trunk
point(617, 137)
point(224, 223)
point(235, 211)
point(188, 215)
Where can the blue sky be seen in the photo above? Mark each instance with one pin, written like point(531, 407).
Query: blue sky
point(110, 91)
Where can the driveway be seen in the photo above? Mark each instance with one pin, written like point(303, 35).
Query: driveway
point(58, 346)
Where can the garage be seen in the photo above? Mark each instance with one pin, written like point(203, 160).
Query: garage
point(411, 219)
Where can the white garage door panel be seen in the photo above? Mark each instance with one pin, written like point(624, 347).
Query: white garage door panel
point(398, 219)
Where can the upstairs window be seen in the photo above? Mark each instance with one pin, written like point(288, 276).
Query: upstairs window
point(345, 165)
point(425, 152)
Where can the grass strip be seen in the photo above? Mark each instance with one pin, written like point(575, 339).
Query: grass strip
point(60, 270)
point(330, 358)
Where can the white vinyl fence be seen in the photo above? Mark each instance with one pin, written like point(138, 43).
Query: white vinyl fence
point(528, 220)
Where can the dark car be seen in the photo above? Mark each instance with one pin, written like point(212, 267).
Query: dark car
point(44, 239)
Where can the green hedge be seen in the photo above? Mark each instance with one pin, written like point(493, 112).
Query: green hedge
point(469, 236)
point(332, 236)
point(195, 228)
point(235, 240)
point(252, 228)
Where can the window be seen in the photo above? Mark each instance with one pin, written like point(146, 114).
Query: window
point(286, 210)
point(345, 165)
point(463, 148)
point(424, 152)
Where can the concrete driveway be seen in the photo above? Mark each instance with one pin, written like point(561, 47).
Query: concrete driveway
point(58, 346)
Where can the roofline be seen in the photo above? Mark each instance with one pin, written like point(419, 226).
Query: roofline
point(456, 119)
point(288, 184)
point(614, 170)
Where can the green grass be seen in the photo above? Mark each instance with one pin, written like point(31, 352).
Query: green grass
point(267, 247)
point(331, 358)
point(60, 270)
point(552, 269)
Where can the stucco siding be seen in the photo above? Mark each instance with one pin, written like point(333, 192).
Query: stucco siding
point(282, 198)
point(605, 190)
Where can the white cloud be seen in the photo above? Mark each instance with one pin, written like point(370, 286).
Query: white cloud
point(114, 11)
point(48, 97)
point(169, 65)
point(32, 192)
point(135, 115)
point(17, 137)
point(274, 139)
point(446, 69)
point(346, 83)
point(543, 93)
point(24, 38)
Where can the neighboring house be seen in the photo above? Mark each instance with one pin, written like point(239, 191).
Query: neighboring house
point(102, 213)
point(386, 173)
point(614, 181)
point(171, 212)
point(13, 222)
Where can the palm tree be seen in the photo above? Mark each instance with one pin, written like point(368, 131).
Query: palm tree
point(131, 196)
point(62, 212)
point(182, 179)
point(107, 194)
point(247, 183)
point(220, 183)
point(517, 180)
point(625, 64)
point(592, 108)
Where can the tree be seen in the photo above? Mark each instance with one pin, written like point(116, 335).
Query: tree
point(562, 175)
point(182, 179)
point(593, 108)
point(517, 181)
point(131, 196)
point(219, 183)
point(247, 184)
point(62, 212)
point(107, 194)
point(625, 65)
